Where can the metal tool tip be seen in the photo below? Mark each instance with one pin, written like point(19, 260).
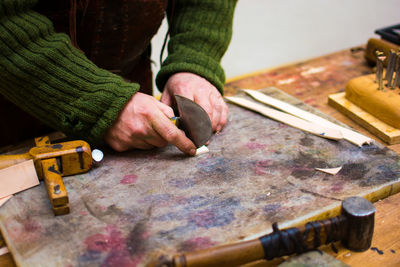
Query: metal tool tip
point(97, 155)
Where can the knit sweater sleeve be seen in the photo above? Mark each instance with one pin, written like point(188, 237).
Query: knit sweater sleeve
point(200, 32)
point(41, 72)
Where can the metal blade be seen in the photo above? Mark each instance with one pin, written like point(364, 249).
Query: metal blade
point(194, 121)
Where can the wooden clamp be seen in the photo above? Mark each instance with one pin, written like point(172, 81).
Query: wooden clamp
point(52, 162)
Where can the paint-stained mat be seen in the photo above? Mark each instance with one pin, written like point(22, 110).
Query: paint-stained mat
point(138, 205)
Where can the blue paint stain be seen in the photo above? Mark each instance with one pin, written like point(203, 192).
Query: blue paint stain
point(209, 218)
point(196, 202)
point(170, 216)
point(271, 209)
point(213, 213)
point(210, 165)
point(182, 183)
point(91, 256)
point(217, 215)
point(158, 199)
point(387, 172)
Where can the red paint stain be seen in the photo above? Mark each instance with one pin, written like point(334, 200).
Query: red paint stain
point(255, 145)
point(204, 218)
point(196, 243)
point(105, 242)
point(129, 179)
point(31, 226)
point(113, 243)
point(28, 231)
point(338, 187)
point(262, 167)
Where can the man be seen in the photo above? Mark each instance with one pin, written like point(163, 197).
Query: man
point(75, 84)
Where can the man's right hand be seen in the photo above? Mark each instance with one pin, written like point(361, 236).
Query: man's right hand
point(144, 124)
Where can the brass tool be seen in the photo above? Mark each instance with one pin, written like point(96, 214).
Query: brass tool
point(396, 81)
point(354, 227)
point(52, 162)
point(379, 69)
point(390, 68)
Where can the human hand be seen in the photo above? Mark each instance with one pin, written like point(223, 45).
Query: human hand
point(202, 92)
point(144, 123)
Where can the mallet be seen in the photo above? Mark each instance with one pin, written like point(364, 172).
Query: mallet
point(354, 228)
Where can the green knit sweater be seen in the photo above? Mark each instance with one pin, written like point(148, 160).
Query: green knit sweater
point(41, 72)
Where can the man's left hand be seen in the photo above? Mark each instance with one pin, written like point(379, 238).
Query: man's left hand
point(202, 92)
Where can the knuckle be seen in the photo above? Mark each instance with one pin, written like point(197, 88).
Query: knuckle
point(137, 129)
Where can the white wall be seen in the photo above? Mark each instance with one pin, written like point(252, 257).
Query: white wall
point(268, 33)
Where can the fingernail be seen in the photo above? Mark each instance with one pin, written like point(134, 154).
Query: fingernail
point(218, 129)
point(192, 152)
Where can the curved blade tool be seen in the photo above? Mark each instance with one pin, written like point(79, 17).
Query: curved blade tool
point(193, 120)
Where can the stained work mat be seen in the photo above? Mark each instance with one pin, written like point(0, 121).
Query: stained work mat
point(142, 204)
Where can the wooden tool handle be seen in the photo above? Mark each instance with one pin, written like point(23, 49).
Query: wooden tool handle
point(378, 45)
point(228, 255)
point(9, 160)
point(277, 244)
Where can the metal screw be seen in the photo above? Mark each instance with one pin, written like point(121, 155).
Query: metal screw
point(57, 189)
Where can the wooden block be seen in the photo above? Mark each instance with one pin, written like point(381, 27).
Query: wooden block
point(378, 45)
point(382, 104)
point(380, 129)
point(18, 178)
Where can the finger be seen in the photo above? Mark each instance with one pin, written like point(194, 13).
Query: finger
point(169, 132)
point(155, 140)
point(141, 144)
point(223, 118)
point(167, 110)
point(216, 113)
point(116, 145)
point(166, 98)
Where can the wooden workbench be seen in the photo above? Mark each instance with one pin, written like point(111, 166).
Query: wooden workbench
point(311, 81)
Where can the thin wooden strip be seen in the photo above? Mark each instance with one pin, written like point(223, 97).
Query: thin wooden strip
point(3, 250)
point(332, 171)
point(313, 128)
point(349, 135)
point(3, 200)
point(17, 178)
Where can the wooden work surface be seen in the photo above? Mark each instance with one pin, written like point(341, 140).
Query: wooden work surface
point(215, 212)
point(312, 81)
